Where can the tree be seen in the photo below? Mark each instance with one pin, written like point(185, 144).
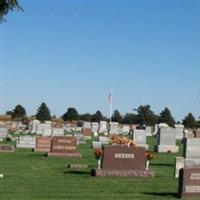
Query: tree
point(86, 117)
point(146, 116)
point(166, 117)
point(19, 112)
point(43, 113)
point(130, 118)
point(97, 117)
point(6, 6)
point(71, 114)
point(116, 117)
point(189, 121)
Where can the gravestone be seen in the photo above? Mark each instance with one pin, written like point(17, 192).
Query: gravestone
point(7, 148)
point(26, 142)
point(86, 130)
point(192, 152)
point(189, 134)
point(103, 127)
point(148, 130)
point(114, 128)
point(166, 140)
point(96, 145)
point(58, 132)
point(179, 131)
point(33, 126)
point(43, 144)
point(123, 161)
point(126, 129)
point(63, 146)
point(178, 165)
point(189, 182)
point(47, 130)
point(104, 140)
point(139, 137)
point(40, 128)
point(95, 128)
point(3, 132)
point(197, 133)
point(79, 137)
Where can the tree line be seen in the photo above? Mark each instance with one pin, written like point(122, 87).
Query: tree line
point(144, 116)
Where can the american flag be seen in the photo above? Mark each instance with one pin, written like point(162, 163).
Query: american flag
point(110, 98)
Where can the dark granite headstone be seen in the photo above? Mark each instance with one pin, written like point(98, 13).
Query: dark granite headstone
point(64, 146)
point(123, 161)
point(43, 144)
point(7, 148)
point(189, 182)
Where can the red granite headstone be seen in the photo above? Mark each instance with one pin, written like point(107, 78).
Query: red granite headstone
point(64, 146)
point(197, 133)
point(87, 132)
point(7, 148)
point(117, 157)
point(189, 182)
point(123, 161)
point(43, 144)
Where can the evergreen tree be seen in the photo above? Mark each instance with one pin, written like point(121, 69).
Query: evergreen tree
point(6, 6)
point(130, 118)
point(19, 112)
point(189, 121)
point(86, 117)
point(97, 117)
point(43, 113)
point(146, 116)
point(166, 117)
point(71, 114)
point(116, 117)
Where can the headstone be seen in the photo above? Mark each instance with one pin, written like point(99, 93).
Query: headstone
point(95, 127)
point(189, 134)
point(114, 128)
point(57, 131)
point(96, 145)
point(192, 152)
point(40, 129)
point(139, 137)
point(189, 182)
point(148, 130)
point(33, 126)
point(7, 148)
point(179, 131)
point(3, 132)
point(123, 161)
point(63, 146)
point(104, 140)
point(26, 142)
point(178, 164)
point(197, 133)
point(166, 140)
point(126, 129)
point(43, 144)
point(103, 127)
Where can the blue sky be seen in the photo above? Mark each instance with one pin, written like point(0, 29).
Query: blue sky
point(72, 53)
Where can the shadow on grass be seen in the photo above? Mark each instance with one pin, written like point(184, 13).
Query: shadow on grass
point(162, 164)
point(77, 172)
point(163, 194)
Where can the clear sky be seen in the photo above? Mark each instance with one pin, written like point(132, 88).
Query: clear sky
point(72, 53)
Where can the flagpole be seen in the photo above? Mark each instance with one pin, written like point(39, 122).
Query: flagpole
point(110, 112)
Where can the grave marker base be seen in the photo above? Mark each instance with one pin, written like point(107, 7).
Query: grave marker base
point(122, 173)
point(53, 154)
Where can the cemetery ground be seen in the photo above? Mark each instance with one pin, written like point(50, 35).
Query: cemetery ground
point(32, 176)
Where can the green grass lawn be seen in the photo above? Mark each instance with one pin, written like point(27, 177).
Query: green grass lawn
point(29, 176)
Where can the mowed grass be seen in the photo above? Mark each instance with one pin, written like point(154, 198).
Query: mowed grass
point(32, 176)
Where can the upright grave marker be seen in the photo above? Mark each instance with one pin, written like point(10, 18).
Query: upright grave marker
point(123, 161)
point(166, 140)
point(63, 146)
point(43, 144)
point(139, 137)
